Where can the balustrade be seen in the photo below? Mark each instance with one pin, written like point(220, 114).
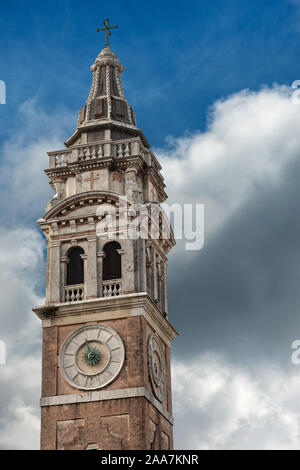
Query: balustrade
point(74, 293)
point(111, 288)
point(86, 152)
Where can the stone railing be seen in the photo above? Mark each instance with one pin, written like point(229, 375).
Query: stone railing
point(111, 288)
point(74, 293)
point(87, 152)
point(59, 159)
point(122, 149)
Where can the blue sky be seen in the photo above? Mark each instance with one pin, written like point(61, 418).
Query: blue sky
point(179, 58)
point(209, 82)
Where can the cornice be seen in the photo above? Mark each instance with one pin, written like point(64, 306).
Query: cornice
point(106, 308)
point(101, 395)
point(86, 195)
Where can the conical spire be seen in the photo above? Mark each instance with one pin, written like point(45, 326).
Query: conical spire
point(106, 100)
point(106, 108)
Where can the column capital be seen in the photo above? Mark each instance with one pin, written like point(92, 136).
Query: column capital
point(92, 238)
point(54, 243)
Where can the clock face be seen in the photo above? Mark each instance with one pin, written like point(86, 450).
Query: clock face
point(91, 357)
point(157, 366)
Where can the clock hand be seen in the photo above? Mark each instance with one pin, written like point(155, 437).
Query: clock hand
point(88, 346)
point(92, 355)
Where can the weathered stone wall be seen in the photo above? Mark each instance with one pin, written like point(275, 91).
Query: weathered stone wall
point(131, 423)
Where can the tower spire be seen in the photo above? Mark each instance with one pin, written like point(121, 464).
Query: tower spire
point(107, 29)
point(107, 111)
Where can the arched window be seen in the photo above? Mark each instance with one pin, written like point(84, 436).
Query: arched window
point(112, 261)
point(75, 274)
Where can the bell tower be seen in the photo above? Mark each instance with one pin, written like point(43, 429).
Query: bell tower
point(106, 381)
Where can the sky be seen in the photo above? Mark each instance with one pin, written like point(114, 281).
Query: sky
point(210, 84)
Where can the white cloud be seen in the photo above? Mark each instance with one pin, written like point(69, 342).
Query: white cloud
point(24, 186)
point(21, 431)
point(250, 138)
point(22, 270)
point(24, 191)
point(220, 405)
point(21, 260)
point(251, 141)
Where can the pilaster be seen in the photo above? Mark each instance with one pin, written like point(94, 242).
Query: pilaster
point(91, 272)
point(54, 272)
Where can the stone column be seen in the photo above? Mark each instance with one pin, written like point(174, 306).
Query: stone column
point(84, 138)
point(64, 260)
point(149, 267)
point(84, 258)
point(155, 297)
point(135, 147)
point(121, 253)
point(143, 266)
point(159, 283)
point(91, 271)
point(140, 273)
point(107, 134)
point(165, 307)
point(54, 272)
point(100, 257)
point(149, 279)
point(127, 263)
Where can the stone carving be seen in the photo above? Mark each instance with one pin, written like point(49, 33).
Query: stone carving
point(153, 434)
point(59, 189)
point(157, 366)
point(134, 195)
point(133, 192)
point(117, 176)
point(117, 427)
point(68, 434)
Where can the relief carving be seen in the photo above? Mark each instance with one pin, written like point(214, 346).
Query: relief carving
point(69, 435)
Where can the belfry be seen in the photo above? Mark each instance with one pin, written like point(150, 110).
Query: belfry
point(106, 379)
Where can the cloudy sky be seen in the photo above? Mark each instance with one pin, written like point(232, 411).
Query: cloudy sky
point(210, 84)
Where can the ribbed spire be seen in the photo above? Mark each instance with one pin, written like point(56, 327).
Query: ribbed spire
point(107, 114)
point(106, 101)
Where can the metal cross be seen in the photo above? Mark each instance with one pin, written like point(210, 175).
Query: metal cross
point(107, 30)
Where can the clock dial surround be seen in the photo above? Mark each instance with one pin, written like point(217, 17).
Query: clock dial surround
point(157, 366)
point(75, 367)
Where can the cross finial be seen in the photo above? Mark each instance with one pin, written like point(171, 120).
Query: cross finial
point(107, 30)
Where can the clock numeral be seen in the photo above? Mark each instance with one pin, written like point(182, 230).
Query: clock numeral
point(109, 372)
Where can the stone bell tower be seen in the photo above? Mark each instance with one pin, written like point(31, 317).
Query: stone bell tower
point(106, 380)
